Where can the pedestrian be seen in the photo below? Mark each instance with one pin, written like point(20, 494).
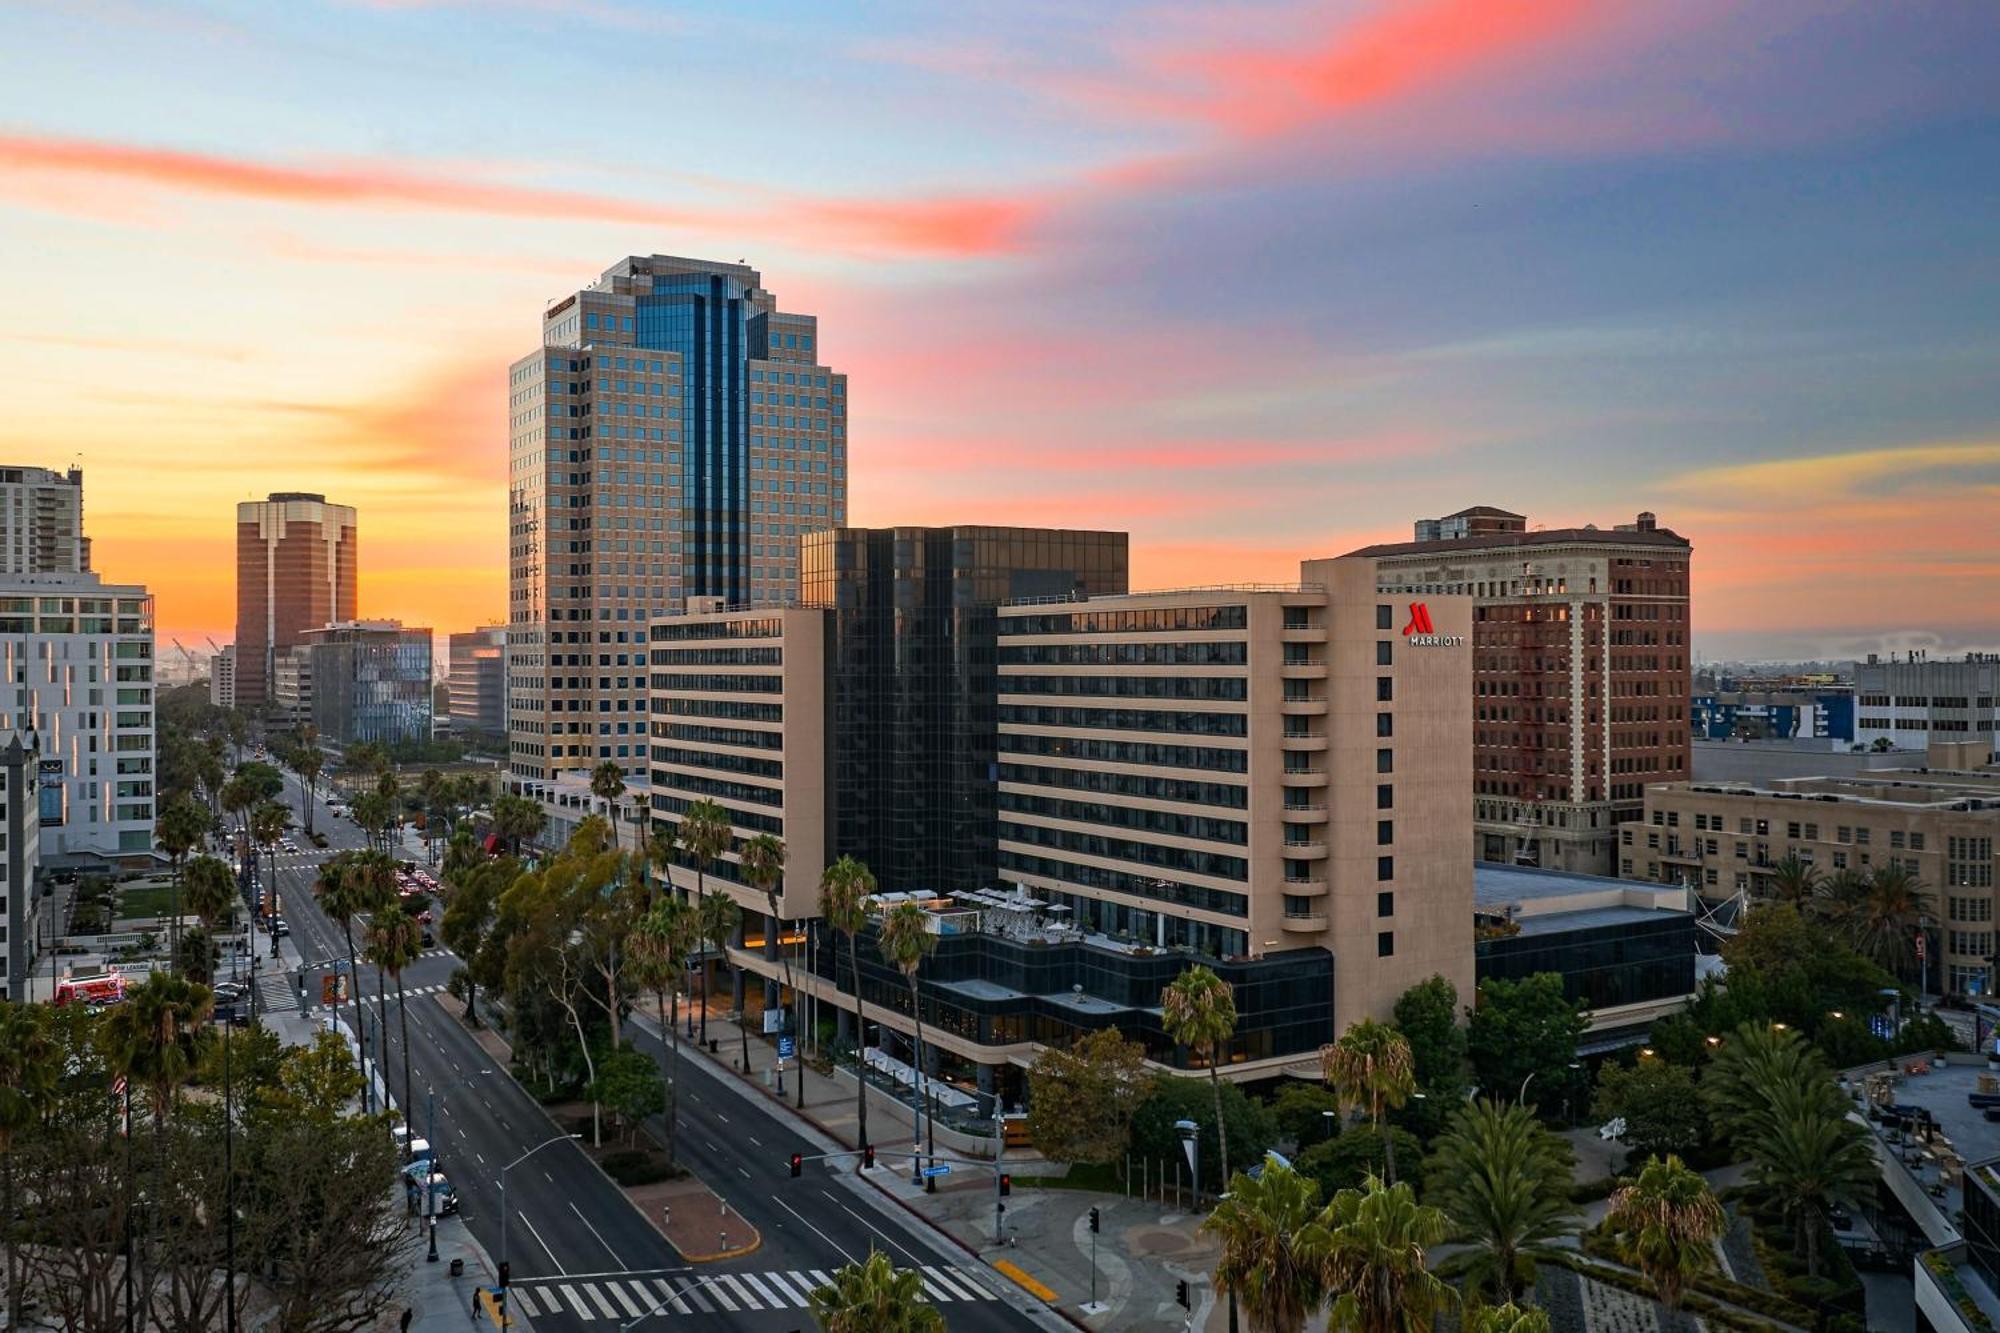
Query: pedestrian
point(409, 1314)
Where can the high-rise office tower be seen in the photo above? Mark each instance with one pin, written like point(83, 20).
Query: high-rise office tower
point(477, 686)
point(41, 521)
point(296, 560)
point(672, 437)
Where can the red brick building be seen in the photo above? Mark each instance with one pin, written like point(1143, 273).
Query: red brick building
point(1581, 674)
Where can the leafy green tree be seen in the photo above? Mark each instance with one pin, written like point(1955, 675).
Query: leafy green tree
point(1521, 1030)
point(1307, 1113)
point(1081, 1098)
point(1274, 1244)
point(1503, 1179)
point(1798, 969)
point(629, 1084)
point(469, 916)
point(1198, 1010)
point(1664, 1224)
point(875, 1296)
point(1250, 1126)
point(1370, 1069)
point(1376, 1267)
point(1345, 1161)
point(844, 890)
point(28, 1078)
point(1427, 1013)
point(1662, 1111)
point(660, 948)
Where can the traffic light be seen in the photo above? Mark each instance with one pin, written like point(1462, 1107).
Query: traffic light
point(1006, 1185)
point(1181, 1295)
point(1096, 1221)
point(868, 1158)
point(506, 1271)
point(798, 1165)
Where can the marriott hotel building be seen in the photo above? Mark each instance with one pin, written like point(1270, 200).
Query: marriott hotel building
point(1272, 780)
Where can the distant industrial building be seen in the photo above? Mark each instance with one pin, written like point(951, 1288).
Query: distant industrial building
point(477, 684)
point(1581, 673)
point(1911, 702)
point(1824, 714)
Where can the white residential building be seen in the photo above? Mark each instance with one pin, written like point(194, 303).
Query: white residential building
point(41, 522)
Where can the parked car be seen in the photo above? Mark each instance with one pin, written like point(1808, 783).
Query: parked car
point(444, 1199)
point(279, 927)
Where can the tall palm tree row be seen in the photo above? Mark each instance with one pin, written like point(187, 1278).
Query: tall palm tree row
point(394, 941)
point(1370, 1067)
point(844, 890)
point(1285, 1256)
point(906, 939)
point(704, 835)
point(1198, 1009)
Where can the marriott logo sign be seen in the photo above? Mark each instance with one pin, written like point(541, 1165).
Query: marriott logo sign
point(1420, 634)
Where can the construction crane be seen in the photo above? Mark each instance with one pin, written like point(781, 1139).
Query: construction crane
point(186, 657)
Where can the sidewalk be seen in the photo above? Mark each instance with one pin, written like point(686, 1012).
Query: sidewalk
point(1142, 1251)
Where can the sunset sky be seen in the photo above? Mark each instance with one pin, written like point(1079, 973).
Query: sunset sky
point(1251, 280)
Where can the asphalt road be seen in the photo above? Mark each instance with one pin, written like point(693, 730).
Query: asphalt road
point(581, 1254)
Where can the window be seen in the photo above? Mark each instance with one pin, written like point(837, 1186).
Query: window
point(1385, 868)
point(1384, 688)
point(1385, 761)
point(1385, 724)
point(1385, 904)
point(1385, 796)
point(1385, 944)
point(1382, 647)
point(1384, 617)
point(1385, 832)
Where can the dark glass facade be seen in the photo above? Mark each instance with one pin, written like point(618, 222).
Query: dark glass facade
point(994, 991)
point(913, 652)
point(1982, 1219)
point(1614, 963)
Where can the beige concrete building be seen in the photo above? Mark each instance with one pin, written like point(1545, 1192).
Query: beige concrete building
point(1943, 826)
point(41, 522)
point(1581, 673)
point(671, 437)
point(1268, 780)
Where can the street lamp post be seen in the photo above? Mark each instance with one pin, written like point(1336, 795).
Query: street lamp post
point(503, 1207)
point(1522, 1095)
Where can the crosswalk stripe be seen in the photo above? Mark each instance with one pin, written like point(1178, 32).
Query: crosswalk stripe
point(741, 1292)
point(965, 1288)
point(592, 1292)
point(576, 1303)
point(783, 1282)
point(693, 1296)
point(634, 1310)
point(750, 1280)
point(519, 1298)
point(936, 1292)
point(721, 1297)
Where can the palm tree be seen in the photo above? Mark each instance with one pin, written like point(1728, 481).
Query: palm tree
point(906, 940)
point(210, 891)
point(844, 890)
point(1504, 1181)
point(179, 830)
point(875, 1297)
point(1509, 1318)
point(763, 867)
point(374, 877)
point(1370, 1067)
point(1756, 1059)
point(341, 894)
point(431, 790)
point(268, 822)
point(153, 1040)
point(661, 846)
point(308, 761)
point(238, 796)
point(1665, 1224)
point(1376, 1239)
point(516, 820)
point(704, 834)
point(1198, 1010)
point(607, 784)
point(1884, 923)
point(29, 1072)
point(719, 917)
point(659, 950)
point(1794, 881)
point(1274, 1243)
point(1809, 1156)
point(394, 942)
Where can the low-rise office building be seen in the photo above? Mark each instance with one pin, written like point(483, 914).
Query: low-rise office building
point(477, 684)
point(1725, 839)
point(360, 680)
point(1268, 780)
point(1911, 702)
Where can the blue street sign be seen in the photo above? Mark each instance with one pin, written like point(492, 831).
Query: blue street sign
point(1881, 1026)
point(941, 1169)
point(785, 1048)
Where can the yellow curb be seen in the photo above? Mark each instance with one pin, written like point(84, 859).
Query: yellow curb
point(1023, 1281)
point(755, 1244)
